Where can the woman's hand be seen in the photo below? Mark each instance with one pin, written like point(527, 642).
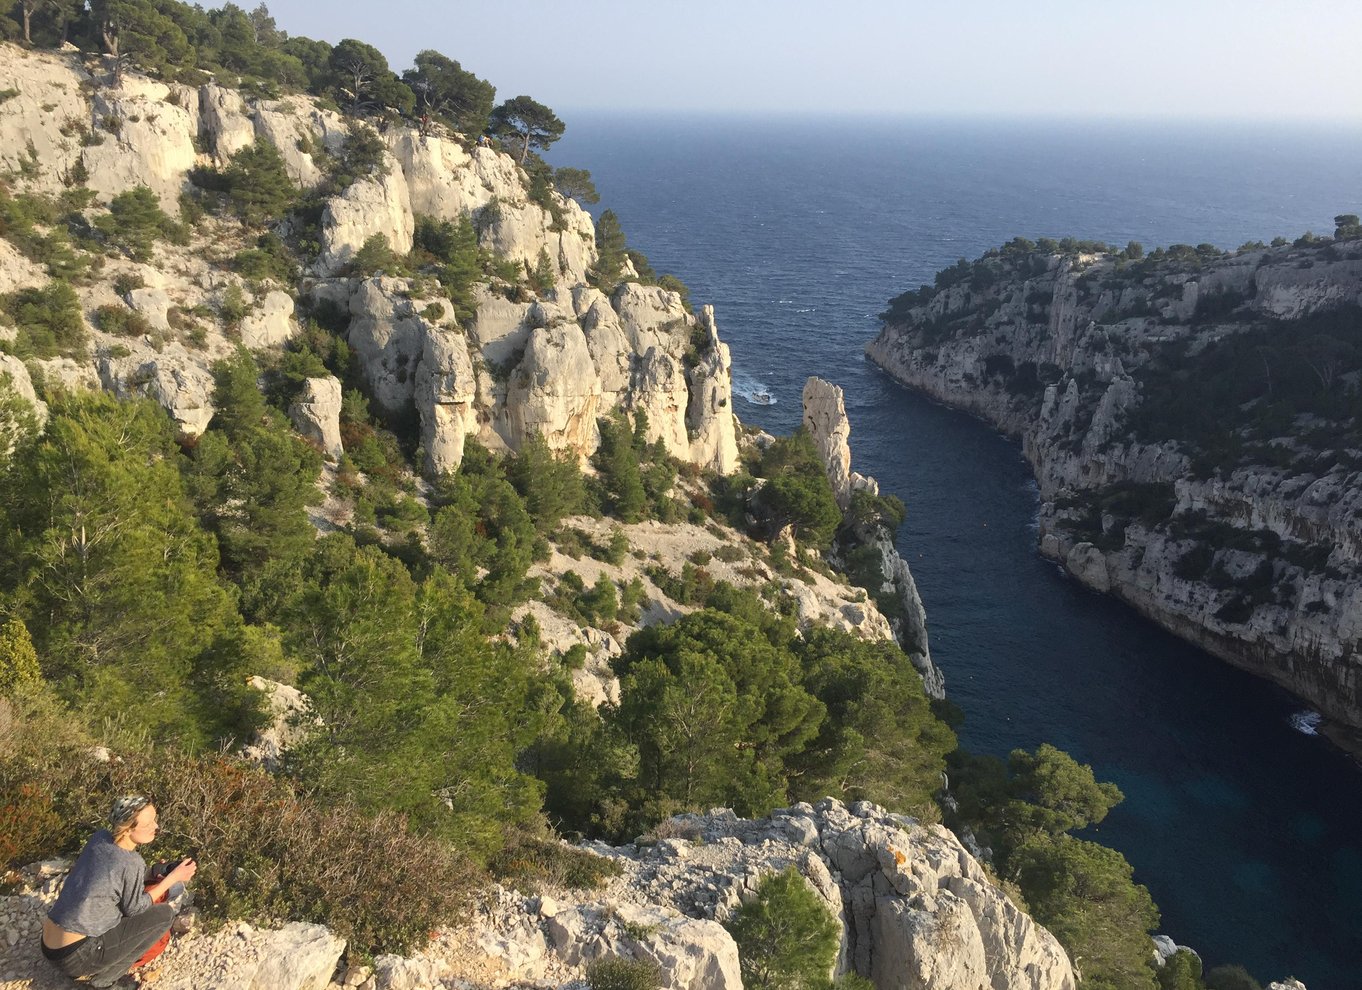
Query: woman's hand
point(184, 872)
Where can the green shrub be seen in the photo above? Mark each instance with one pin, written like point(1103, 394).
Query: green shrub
point(269, 259)
point(787, 939)
point(121, 321)
point(617, 973)
point(135, 222)
point(49, 321)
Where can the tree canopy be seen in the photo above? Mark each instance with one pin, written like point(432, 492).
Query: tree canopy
point(524, 123)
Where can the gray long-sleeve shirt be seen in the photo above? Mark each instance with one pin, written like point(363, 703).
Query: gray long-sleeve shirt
point(106, 885)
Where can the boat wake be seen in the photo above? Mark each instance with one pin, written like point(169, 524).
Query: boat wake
point(1306, 722)
point(749, 389)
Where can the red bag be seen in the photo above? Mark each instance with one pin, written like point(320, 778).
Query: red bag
point(160, 945)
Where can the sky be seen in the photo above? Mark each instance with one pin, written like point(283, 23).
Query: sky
point(1235, 59)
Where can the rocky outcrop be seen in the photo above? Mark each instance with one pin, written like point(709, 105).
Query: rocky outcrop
point(710, 422)
point(15, 380)
point(1254, 555)
point(316, 414)
point(374, 206)
point(548, 365)
point(286, 708)
point(270, 323)
point(446, 393)
point(914, 909)
point(825, 419)
point(173, 377)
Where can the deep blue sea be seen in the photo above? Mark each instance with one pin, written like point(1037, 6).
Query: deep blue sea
point(1247, 832)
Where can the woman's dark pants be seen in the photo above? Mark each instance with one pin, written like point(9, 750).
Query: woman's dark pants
point(104, 958)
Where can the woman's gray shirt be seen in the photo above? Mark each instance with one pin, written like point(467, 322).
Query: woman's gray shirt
point(106, 885)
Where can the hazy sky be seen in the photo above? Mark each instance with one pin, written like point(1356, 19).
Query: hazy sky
point(1253, 59)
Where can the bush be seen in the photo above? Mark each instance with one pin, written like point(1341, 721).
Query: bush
point(121, 321)
point(135, 221)
point(49, 321)
point(266, 851)
point(787, 939)
point(617, 973)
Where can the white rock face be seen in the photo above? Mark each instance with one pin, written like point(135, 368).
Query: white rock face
point(825, 419)
point(710, 422)
point(446, 390)
point(373, 205)
point(388, 336)
point(554, 392)
point(642, 352)
point(270, 323)
point(916, 911)
point(153, 143)
point(31, 137)
point(316, 414)
point(16, 271)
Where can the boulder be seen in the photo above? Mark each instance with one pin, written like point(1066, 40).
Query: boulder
point(173, 377)
point(154, 304)
point(299, 956)
point(270, 323)
point(316, 414)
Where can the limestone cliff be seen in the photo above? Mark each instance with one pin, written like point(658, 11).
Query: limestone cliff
point(825, 418)
point(550, 361)
point(1189, 417)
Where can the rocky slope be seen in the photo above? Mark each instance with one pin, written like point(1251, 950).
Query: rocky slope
point(1232, 521)
point(914, 910)
point(551, 362)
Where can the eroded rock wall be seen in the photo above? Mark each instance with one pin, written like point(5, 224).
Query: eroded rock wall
point(1054, 354)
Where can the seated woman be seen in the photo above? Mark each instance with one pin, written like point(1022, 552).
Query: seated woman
point(105, 917)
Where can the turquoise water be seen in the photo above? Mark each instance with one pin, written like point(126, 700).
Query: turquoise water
point(1245, 830)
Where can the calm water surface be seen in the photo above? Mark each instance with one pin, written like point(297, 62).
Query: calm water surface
point(1247, 832)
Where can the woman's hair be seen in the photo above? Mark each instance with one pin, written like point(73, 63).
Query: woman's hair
point(125, 812)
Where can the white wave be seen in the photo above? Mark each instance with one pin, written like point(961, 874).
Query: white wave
point(1306, 722)
point(752, 391)
point(810, 310)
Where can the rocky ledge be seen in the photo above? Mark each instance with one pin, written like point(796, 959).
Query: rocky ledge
point(1246, 540)
point(914, 909)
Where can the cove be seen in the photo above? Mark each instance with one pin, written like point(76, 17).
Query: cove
point(1244, 829)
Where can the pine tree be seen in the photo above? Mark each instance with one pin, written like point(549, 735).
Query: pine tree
point(109, 554)
point(787, 938)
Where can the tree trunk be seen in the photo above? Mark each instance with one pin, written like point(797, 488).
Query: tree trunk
point(524, 146)
point(28, 18)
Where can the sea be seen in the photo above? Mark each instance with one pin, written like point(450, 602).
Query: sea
point(1245, 825)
